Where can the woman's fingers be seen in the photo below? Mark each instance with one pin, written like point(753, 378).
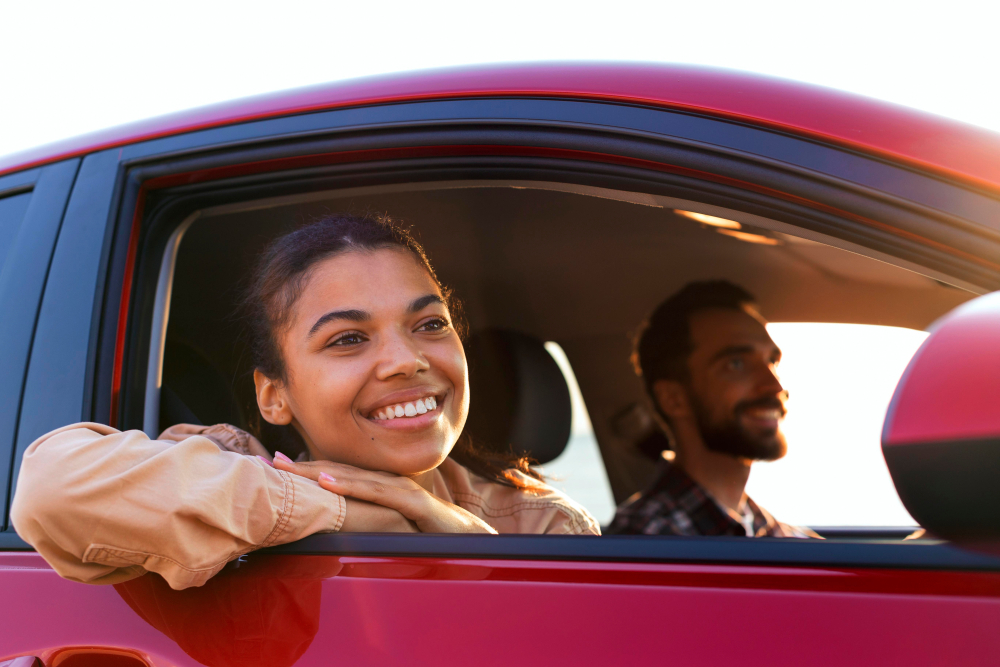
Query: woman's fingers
point(378, 491)
point(312, 469)
point(428, 512)
point(402, 495)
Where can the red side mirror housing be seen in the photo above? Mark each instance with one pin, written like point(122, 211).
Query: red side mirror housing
point(941, 437)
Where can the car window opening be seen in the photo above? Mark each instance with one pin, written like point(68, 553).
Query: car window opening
point(541, 260)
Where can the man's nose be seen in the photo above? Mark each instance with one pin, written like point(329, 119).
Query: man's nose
point(769, 382)
point(400, 355)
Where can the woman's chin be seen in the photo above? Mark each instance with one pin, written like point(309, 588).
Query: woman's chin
point(406, 456)
point(415, 462)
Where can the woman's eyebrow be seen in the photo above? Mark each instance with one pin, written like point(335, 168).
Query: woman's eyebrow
point(424, 301)
point(356, 315)
point(349, 315)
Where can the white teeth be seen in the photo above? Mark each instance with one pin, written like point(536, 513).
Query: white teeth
point(419, 407)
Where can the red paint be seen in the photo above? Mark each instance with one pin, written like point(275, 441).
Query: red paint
point(321, 610)
point(951, 390)
point(930, 142)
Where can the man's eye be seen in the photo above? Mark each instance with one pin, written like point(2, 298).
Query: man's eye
point(346, 340)
point(735, 364)
point(436, 324)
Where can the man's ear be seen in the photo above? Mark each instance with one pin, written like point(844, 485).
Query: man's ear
point(271, 400)
point(672, 399)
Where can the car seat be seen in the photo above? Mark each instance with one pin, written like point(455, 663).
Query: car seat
point(520, 400)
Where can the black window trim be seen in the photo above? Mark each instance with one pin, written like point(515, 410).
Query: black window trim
point(772, 552)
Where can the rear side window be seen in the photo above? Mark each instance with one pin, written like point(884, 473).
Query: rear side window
point(12, 210)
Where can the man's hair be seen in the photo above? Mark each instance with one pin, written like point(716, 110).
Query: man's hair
point(663, 343)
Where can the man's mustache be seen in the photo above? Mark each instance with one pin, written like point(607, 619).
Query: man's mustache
point(765, 403)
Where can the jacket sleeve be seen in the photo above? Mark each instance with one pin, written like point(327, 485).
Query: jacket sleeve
point(102, 506)
point(570, 519)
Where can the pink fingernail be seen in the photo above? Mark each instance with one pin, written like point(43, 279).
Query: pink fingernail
point(326, 478)
point(265, 460)
point(279, 455)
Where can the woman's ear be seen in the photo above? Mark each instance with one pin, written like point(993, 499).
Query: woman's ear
point(271, 400)
point(672, 399)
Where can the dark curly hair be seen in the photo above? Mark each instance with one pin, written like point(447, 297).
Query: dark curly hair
point(663, 344)
point(276, 282)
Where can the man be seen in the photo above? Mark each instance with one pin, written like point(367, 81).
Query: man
point(710, 369)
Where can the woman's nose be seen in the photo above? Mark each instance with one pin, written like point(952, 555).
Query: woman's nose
point(401, 356)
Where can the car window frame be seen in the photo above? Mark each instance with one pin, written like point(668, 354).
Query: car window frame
point(142, 191)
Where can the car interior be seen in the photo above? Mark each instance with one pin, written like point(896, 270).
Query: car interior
point(531, 262)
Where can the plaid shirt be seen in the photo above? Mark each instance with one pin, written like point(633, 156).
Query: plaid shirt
point(677, 505)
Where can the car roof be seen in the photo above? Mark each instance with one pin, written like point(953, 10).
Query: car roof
point(930, 142)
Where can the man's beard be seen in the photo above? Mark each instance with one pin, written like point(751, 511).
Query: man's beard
point(730, 437)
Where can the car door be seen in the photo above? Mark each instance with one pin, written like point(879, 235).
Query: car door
point(378, 599)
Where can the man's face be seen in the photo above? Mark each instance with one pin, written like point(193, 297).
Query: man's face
point(734, 390)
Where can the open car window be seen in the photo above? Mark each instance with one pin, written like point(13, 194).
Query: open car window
point(578, 268)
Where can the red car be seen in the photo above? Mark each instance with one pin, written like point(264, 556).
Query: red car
point(556, 199)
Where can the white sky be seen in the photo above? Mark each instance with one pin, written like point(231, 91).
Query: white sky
point(72, 67)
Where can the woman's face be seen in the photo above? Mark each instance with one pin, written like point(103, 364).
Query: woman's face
point(370, 337)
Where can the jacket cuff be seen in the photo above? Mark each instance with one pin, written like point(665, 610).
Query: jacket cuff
point(307, 509)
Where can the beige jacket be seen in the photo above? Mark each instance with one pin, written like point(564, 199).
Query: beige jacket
point(102, 506)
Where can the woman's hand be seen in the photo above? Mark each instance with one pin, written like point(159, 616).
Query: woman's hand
point(402, 494)
point(365, 517)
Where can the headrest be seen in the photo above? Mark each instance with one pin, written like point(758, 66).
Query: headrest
point(520, 401)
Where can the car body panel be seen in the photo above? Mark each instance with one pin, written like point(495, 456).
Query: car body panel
point(373, 611)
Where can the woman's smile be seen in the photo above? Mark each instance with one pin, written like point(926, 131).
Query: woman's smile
point(410, 409)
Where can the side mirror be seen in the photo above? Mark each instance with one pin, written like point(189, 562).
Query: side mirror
point(941, 437)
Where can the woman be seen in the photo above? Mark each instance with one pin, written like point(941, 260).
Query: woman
point(356, 353)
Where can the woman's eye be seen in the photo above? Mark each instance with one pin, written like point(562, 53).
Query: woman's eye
point(347, 340)
point(433, 325)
